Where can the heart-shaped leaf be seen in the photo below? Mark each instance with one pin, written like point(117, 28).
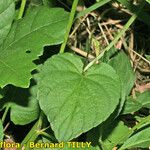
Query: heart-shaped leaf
point(7, 10)
point(40, 27)
point(76, 101)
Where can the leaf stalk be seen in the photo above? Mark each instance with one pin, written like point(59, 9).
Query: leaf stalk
point(71, 19)
point(22, 8)
point(5, 113)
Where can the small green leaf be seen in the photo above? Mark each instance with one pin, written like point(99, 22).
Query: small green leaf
point(73, 101)
point(114, 134)
point(121, 63)
point(40, 27)
point(7, 11)
point(148, 57)
point(140, 139)
point(1, 131)
point(144, 99)
point(23, 104)
point(131, 106)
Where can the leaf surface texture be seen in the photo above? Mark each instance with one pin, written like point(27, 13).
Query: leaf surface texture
point(73, 101)
point(40, 27)
point(7, 11)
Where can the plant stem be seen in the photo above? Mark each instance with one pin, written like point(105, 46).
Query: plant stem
point(53, 139)
point(71, 18)
point(22, 8)
point(30, 134)
point(93, 7)
point(119, 35)
point(5, 113)
point(33, 133)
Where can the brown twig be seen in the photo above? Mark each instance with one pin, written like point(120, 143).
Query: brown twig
point(82, 53)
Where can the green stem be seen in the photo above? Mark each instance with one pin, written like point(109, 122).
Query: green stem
point(30, 134)
point(33, 134)
point(53, 139)
point(119, 35)
point(93, 7)
point(71, 18)
point(22, 8)
point(5, 113)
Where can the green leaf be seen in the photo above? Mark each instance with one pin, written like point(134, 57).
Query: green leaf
point(122, 65)
point(114, 134)
point(7, 11)
point(109, 54)
point(42, 140)
point(1, 131)
point(23, 104)
point(148, 57)
point(144, 99)
point(73, 101)
point(140, 139)
point(50, 3)
point(36, 3)
point(148, 1)
point(40, 27)
point(131, 106)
